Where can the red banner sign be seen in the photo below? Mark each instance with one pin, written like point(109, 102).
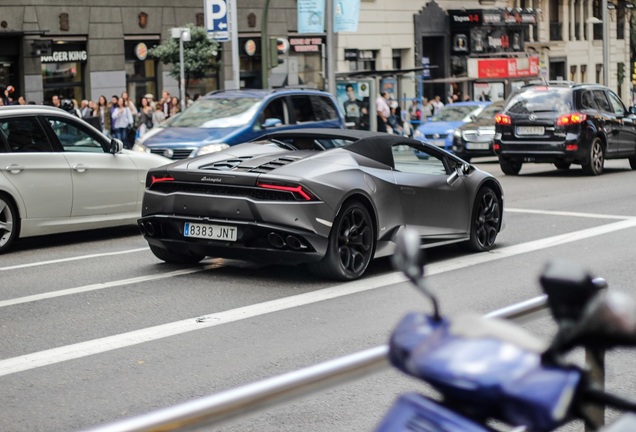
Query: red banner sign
point(504, 67)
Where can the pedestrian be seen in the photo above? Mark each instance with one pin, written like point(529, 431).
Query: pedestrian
point(103, 112)
point(55, 101)
point(165, 102)
point(85, 110)
point(437, 105)
point(21, 100)
point(122, 122)
point(175, 106)
point(158, 116)
point(145, 118)
point(128, 103)
point(383, 111)
point(151, 100)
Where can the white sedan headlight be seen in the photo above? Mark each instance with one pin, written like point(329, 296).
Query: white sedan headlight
point(140, 147)
point(210, 148)
point(457, 133)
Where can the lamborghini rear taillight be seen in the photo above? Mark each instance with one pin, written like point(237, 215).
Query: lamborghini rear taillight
point(151, 179)
point(297, 190)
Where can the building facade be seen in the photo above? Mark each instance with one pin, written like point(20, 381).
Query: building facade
point(87, 49)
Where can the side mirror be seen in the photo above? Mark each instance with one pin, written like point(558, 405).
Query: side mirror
point(272, 122)
point(609, 321)
point(569, 287)
point(116, 146)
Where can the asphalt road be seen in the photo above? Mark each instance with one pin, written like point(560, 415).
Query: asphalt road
point(93, 328)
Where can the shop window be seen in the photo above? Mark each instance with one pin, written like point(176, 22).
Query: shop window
point(141, 70)
point(63, 71)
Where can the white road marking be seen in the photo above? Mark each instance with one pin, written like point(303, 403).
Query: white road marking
point(95, 346)
point(80, 257)
point(566, 213)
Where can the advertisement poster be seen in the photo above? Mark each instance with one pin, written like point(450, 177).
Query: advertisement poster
point(311, 16)
point(345, 15)
point(353, 98)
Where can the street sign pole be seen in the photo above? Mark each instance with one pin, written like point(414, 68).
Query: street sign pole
point(236, 66)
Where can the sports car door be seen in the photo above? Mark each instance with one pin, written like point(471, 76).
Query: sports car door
point(103, 183)
point(429, 204)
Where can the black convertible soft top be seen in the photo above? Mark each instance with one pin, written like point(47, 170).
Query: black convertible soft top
point(374, 145)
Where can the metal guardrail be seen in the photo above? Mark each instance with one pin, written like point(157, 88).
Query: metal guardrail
point(223, 406)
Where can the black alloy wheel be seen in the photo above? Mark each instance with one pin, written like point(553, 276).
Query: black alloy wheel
point(9, 223)
point(510, 167)
point(595, 160)
point(486, 219)
point(351, 244)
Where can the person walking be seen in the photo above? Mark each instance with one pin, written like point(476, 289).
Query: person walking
point(158, 116)
point(103, 112)
point(145, 117)
point(383, 111)
point(122, 121)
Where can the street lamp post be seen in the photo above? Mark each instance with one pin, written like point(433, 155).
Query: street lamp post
point(183, 33)
point(605, 21)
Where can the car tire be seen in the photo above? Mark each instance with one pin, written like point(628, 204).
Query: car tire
point(595, 158)
point(351, 245)
point(510, 167)
point(485, 220)
point(9, 223)
point(173, 257)
point(632, 162)
point(562, 165)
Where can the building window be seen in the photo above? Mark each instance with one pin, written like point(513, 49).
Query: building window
point(620, 22)
point(396, 56)
point(599, 71)
point(141, 70)
point(596, 13)
point(556, 25)
point(63, 70)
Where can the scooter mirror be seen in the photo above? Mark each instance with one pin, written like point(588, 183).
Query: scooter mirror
point(569, 287)
point(408, 255)
point(609, 321)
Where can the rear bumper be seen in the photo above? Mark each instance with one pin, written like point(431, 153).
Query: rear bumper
point(259, 242)
point(542, 151)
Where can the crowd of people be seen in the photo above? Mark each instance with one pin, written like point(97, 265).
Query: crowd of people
point(118, 118)
point(392, 118)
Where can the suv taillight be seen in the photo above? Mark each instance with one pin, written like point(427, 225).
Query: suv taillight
point(503, 119)
point(571, 119)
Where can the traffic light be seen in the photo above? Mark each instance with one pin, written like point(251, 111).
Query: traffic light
point(620, 73)
point(277, 49)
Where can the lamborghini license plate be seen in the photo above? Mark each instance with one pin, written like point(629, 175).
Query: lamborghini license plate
point(208, 231)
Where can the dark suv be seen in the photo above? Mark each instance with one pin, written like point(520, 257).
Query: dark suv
point(564, 123)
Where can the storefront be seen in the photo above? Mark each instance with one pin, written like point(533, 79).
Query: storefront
point(64, 69)
point(9, 62)
point(141, 70)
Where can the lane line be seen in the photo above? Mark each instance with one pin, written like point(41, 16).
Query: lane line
point(96, 346)
point(103, 285)
point(512, 210)
point(80, 257)
point(567, 213)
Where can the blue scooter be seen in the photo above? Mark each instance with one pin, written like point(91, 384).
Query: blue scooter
point(487, 369)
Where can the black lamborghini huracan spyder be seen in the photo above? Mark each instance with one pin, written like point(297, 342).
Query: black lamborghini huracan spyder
point(331, 199)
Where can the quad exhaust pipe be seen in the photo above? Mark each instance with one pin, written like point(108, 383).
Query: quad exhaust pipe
point(290, 241)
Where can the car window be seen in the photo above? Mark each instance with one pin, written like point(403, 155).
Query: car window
point(617, 104)
point(323, 108)
point(409, 159)
point(491, 111)
point(73, 137)
point(277, 109)
point(587, 100)
point(24, 135)
point(303, 109)
point(601, 100)
point(454, 113)
point(541, 99)
point(218, 112)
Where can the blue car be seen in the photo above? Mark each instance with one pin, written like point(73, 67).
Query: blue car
point(439, 129)
point(224, 118)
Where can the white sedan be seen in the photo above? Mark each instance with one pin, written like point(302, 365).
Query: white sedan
point(59, 174)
